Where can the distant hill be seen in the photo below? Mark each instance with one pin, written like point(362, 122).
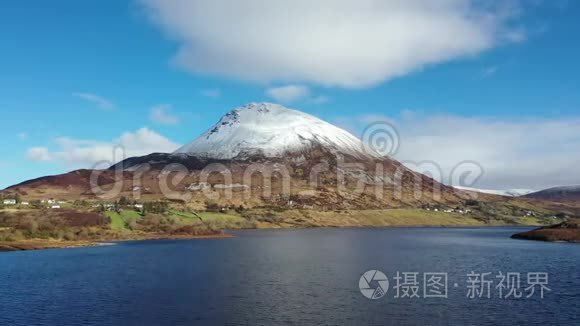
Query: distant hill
point(560, 194)
point(506, 192)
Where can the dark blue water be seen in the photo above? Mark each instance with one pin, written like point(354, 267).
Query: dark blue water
point(300, 277)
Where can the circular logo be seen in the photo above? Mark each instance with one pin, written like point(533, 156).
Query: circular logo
point(373, 284)
point(381, 138)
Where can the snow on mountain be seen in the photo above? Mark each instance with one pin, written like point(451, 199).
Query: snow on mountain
point(517, 192)
point(507, 192)
point(557, 193)
point(562, 188)
point(271, 130)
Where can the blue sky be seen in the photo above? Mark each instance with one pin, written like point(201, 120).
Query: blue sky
point(75, 75)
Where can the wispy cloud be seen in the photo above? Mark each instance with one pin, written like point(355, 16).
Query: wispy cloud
point(162, 114)
point(38, 154)
point(101, 102)
point(295, 93)
point(517, 36)
point(85, 153)
point(22, 135)
point(320, 99)
point(488, 71)
point(288, 93)
point(211, 92)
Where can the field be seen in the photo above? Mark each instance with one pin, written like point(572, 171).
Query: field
point(121, 220)
point(125, 220)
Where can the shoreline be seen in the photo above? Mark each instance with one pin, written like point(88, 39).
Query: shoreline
point(45, 244)
point(568, 232)
point(410, 226)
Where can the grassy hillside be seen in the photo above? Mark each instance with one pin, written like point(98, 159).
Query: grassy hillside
point(378, 218)
point(122, 220)
point(170, 220)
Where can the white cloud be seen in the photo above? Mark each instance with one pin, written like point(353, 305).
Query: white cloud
point(101, 102)
point(211, 92)
point(346, 43)
point(38, 154)
point(85, 153)
point(162, 114)
point(22, 135)
point(289, 93)
point(527, 153)
point(294, 93)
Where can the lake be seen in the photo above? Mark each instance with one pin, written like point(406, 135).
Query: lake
point(300, 277)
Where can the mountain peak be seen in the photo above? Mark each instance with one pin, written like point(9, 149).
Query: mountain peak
point(271, 130)
point(264, 107)
point(256, 113)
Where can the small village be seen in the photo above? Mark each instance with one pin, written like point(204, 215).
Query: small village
point(56, 204)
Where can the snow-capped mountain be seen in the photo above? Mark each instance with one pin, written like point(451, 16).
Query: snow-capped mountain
point(506, 192)
point(294, 153)
point(271, 130)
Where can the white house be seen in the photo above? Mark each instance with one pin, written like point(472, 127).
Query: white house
point(139, 206)
point(199, 186)
point(9, 201)
point(24, 203)
point(55, 206)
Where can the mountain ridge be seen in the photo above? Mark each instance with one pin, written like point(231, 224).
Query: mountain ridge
point(559, 193)
point(505, 192)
